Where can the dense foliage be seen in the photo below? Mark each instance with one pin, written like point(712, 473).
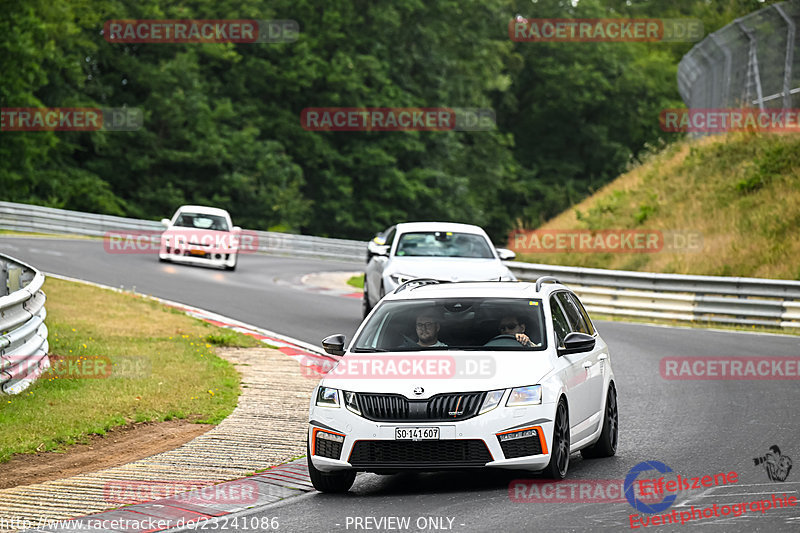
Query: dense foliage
point(221, 121)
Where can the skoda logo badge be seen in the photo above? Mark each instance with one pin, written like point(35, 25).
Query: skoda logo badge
point(419, 391)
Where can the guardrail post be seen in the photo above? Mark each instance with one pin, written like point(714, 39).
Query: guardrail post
point(14, 275)
point(3, 278)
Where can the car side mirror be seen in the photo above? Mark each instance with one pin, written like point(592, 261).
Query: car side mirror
point(377, 249)
point(505, 254)
point(165, 222)
point(576, 343)
point(237, 229)
point(334, 344)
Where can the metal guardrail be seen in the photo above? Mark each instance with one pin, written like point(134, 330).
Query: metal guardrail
point(705, 299)
point(34, 218)
point(23, 334)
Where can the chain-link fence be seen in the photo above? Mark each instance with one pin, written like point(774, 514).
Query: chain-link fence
point(752, 62)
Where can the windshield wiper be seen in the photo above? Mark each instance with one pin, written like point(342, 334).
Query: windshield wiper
point(369, 350)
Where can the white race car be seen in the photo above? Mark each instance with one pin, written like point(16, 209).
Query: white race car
point(464, 375)
point(202, 236)
point(438, 250)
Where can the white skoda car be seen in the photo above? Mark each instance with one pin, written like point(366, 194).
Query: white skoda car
point(464, 375)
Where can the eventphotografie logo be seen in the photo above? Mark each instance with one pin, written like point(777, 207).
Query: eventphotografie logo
point(381, 119)
point(201, 31)
point(70, 119)
point(775, 463)
point(605, 30)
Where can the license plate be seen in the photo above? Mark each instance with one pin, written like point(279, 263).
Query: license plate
point(416, 433)
point(197, 252)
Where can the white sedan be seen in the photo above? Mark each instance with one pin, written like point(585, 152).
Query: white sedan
point(202, 236)
point(464, 375)
point(437, 250)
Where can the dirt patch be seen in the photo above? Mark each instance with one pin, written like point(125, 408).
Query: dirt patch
point(119, 446)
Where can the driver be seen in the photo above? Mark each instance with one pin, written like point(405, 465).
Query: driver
point(512, 325)
point(428, 330)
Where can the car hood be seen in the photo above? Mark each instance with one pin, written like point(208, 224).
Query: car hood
point(438, 372)
point(448, 268)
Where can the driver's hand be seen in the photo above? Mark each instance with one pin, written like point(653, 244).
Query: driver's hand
point(523, 339)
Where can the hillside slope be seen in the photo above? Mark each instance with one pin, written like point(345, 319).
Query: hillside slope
point(740, 192)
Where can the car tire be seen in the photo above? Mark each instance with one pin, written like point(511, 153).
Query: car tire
point(334, 482)
point(365, 305)
point(559, 451)
point(606, 445)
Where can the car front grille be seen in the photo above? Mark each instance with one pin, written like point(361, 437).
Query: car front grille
point(521, 447)
point(442, 407)
point(418, 454)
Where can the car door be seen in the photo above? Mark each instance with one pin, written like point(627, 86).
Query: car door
point(591, 363)
point(572, 373)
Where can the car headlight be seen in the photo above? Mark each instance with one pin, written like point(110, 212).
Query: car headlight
point(327, 397)
point(491, 401)
point(531, 395)
point(401, 278)
point(351, 402)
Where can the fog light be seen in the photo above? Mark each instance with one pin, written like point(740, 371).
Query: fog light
point(329, 436)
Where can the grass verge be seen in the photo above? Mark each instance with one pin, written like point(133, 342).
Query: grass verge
point(162, 366)
point(356, 281)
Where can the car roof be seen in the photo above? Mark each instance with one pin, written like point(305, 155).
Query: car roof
point(405, 227)
point(203, 210)
point(476, 289)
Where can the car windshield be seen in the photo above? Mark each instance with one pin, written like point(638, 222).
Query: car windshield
point(443, 244)
point(493, 324)
point(202, 221)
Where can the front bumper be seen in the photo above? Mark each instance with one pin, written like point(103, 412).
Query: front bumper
point(210, 257)
point(366, 445)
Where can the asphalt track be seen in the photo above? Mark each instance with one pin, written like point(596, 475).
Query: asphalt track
point(700, 427)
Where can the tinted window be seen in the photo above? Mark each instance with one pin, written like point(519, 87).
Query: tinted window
point(390, 236)
point(574, 317)
point(443, 244)
point(202, 221)
point(560, 325)
point(574, 299)
point(460, 324)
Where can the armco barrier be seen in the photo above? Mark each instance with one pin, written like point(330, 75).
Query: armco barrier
point(34, 218)
point(704, 299)
point(23, 334)
point(709, 299)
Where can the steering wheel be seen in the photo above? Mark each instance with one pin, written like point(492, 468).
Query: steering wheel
point(503, 340)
